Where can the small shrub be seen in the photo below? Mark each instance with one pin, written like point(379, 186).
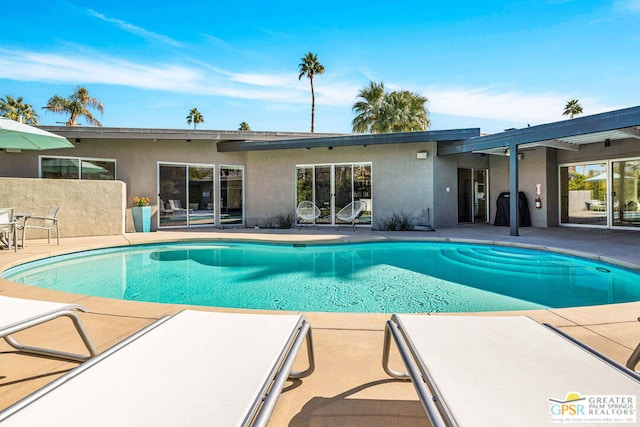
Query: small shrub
point(397, 222)
point(284, 220)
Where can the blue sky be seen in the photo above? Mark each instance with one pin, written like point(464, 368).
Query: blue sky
point(492, 65)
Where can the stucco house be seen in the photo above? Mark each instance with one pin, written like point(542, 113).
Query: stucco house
point(582, 172)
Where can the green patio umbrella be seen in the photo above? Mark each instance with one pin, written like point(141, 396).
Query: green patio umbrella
point(19, 136)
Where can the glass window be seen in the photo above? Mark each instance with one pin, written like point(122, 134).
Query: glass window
point(583, 194)
point(77, 168)
point(231, 195)
point(172, 185)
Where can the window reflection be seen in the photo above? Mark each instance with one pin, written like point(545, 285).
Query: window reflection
point(77, 168)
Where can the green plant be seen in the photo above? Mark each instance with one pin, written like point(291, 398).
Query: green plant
point(397, 222)
point(284, 220)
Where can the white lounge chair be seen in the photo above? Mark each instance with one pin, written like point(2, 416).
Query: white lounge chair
point(8, 228)
point(494, 371)
point(192, 369)
point(307, 213)
point(351, 212)
point(18, 314)
point(176, 207)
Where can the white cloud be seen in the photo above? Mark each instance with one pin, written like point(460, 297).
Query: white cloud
point(628, 5)
point(90, 67)
point(285, 88)
point(509, 106)
point(135, 29)
point(267, 80)
point(33, 66)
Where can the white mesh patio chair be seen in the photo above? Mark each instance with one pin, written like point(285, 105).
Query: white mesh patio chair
point(351, 212)
point(8, 227)
point(46, 222)
point(307, 213)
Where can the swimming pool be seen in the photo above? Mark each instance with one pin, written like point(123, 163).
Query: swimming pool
point(382, 277)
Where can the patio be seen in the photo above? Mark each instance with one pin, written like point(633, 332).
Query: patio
point(349, 386)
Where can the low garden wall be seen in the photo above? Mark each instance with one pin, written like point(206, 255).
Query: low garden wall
point(87, 208)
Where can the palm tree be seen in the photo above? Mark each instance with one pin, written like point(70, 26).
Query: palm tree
point(369, 109)
point(310, 67)
point(405, 112)
point(244, 126)
point(382, 112)
point(77, 105)
point(573, 108)
point(17, 110)
point(195, 117)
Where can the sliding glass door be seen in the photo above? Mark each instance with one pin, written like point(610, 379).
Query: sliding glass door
point(601, 194)
point(332, 187)
point(185, 195)
point(472, 196)
point(323, 197)
point(583, 194)
point(625, 193)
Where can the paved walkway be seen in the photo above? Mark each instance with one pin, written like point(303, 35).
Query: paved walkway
point(349, 387)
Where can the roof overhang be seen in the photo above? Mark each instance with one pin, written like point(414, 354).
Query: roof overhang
point(102, 133)
point(350, 140)
point(565, 135)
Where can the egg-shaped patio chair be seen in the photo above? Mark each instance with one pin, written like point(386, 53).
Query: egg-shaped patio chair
point(351, 213)
point(307, 213)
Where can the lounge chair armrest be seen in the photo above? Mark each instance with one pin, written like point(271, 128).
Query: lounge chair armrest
point(634, 358)
point(414, 373)
point(42, 218)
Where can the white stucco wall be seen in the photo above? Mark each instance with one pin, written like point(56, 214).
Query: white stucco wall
point(401, 183)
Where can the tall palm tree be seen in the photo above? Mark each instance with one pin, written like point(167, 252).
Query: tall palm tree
point(76, 105)
point(573, 108)
point(14, 109)
point(195, 117)
point(310, 66)
point(382, 112)
point(244, 126)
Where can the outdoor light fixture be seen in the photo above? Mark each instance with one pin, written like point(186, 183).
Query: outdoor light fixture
point(188, 140)
point(78, 141)
point(421, 155)
point(330, 148)
point(607, 143)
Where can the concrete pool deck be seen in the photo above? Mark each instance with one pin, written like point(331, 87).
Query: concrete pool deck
point(349, 387)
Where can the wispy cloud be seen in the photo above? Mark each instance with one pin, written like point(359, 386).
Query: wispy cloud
point(284, 88)
point(149, 35)
point(627, 5)
point(511, 106)
point(93, 68)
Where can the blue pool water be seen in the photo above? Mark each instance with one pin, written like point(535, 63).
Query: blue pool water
point(364, 277)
